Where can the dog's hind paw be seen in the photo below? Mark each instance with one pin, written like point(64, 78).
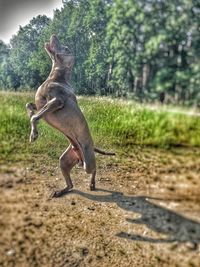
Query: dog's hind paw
point(92, 187)
point(61, 192)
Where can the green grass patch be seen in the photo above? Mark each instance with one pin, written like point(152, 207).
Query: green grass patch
point(113, 123)
point(128, 123)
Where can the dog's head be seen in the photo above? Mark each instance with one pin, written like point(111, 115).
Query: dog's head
point(61, 55)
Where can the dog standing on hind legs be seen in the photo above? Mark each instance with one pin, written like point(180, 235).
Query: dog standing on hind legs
point(57, 105)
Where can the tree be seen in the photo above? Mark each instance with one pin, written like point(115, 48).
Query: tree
point(96, 64)
point(23, 47)
point(153, 48)
point(126, 46)
point(8, 79)
point(148, 50)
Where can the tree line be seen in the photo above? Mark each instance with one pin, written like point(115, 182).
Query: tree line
point(141, 49)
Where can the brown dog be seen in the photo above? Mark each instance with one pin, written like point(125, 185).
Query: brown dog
point(57, 105)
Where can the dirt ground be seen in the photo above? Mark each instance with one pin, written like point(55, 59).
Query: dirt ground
point(146, 212)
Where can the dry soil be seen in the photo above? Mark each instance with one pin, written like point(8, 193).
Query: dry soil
point(145, 212)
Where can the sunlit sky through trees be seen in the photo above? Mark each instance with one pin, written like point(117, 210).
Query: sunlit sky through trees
point(20, 12)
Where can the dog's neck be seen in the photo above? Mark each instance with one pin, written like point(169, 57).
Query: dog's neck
point(60, 74)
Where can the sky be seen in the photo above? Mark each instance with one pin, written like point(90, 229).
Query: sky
point(19, 12)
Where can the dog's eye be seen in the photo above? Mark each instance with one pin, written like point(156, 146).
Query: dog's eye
point(67, 51)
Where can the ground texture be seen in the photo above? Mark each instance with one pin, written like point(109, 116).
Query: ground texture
point(146, 212)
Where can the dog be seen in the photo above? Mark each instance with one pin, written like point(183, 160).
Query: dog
point(56, 103)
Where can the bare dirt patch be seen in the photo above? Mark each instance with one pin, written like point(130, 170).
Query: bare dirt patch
point(146, 212)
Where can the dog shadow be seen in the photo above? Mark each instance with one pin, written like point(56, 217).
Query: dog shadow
point(177, 227)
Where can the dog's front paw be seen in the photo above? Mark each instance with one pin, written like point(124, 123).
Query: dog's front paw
point(33, 136)
point(34, 119)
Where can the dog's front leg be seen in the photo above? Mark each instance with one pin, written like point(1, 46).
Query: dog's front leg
point(51, 106)
point(31, 109)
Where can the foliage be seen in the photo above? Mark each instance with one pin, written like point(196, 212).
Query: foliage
point(146, 50)
point(18, 63)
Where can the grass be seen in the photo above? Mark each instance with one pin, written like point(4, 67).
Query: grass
point(130, 123)
point(113, 123)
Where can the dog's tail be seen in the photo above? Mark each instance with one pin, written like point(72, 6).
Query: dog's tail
point(102, 152)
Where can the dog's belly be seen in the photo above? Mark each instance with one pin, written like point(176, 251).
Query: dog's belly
point(75, 128)
point(65, 120)
point(71, 123)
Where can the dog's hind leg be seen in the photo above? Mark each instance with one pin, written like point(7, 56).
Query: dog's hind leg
point(89, 165)
point(92, 181)
point(67, 161)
